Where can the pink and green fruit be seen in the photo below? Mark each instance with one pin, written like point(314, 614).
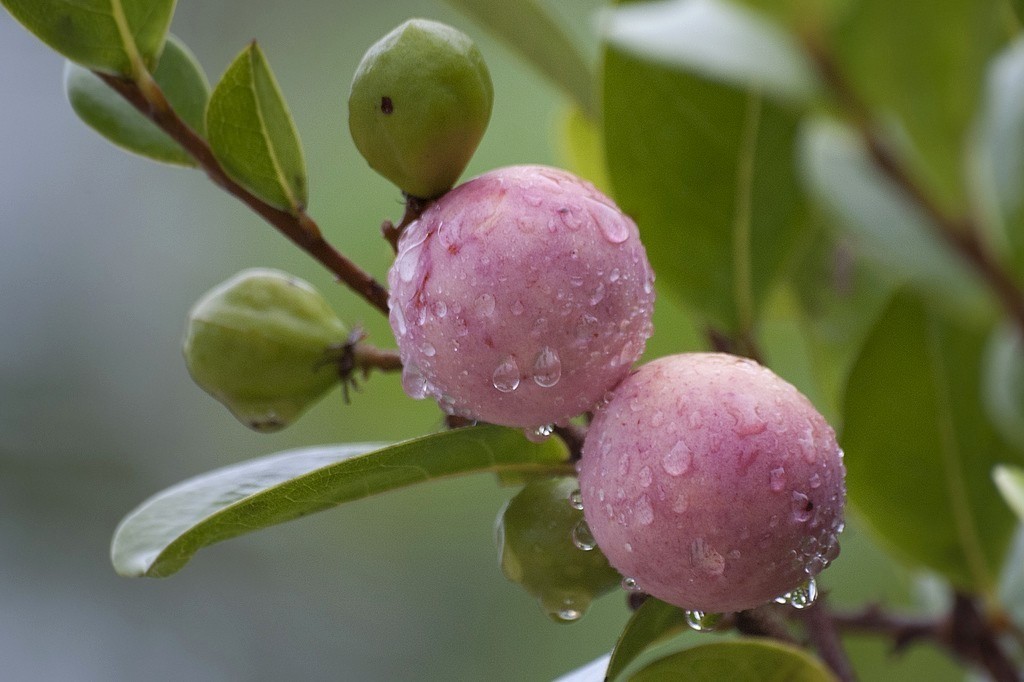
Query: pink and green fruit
point(713, 483)
point(419, 105)
point(520, 298)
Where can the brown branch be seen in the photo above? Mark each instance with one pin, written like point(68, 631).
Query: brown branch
point(414, 208)
point(821, 630)
point(763, 622)
point(297, 227)
point(959, 233)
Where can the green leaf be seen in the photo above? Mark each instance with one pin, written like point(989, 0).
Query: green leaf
point(708, 173)
point(591, 672)
point(719, 40)
point(182, 81)
point(582, 148)
point(653, 622)
point(115, 36)
point(1001, 147)
point(529, 29)
point(920, 447)
point(1004, 383)
point(924, 61)
point(744, 660)
point(880, 223)
point(1010, 482)
point(162, 534)
point(253, 135)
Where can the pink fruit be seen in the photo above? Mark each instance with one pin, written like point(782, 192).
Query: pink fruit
point(712, 483)
point(520, 298)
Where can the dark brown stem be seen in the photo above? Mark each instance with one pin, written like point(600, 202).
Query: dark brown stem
point(971, 636)
point(573, 436)
point(297, 226)
point(763, 622)
point(744, 344)
point(902, 630)
point(960, 233)
point(821, 630)
point(414, 208)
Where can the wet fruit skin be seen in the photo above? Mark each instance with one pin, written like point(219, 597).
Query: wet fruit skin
point(257, 344)
point(419, 104)
point(520, 298)
point(713, 483)
point(534, 534)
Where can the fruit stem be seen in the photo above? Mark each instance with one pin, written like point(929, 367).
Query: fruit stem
point(297, 226)
point(414, 208)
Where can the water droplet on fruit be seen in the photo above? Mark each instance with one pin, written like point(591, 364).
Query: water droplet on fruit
point(802, 596)
point(614, 275)
point(701, 621)
point(506, 375)
point(646, 478)
point(643, 510)
point(485, 305)
point(681, 504)
point(814, 481)
point(631, 585)
point(428, 349)
point(801, 506)
point(547, 368)
point(576, 499)
point(582, 538)
point(518, 307)
point(676, 461)
point(539, 434)
point(704, 557)
point(413, 382)
point(598, 294)
point(777, 479)
point(440, 310)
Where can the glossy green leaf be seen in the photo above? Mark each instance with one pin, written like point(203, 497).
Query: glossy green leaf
point(719, 40)
point(708, 173)
point(924, 62)
point(880, 223)
point(164, 532)
point(182, 81)
point(653, 622)
point(1010, 482)
point(115, 36)
point(1001, 147)
point(746, 660)
point(252, 133)
point(530, 30)
point(591, 672)
point(920, 448)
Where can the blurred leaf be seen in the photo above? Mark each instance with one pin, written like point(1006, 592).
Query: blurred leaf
point(1010, 481)
point(708, 173)
point(1003, 383)
point(182, 81)
point(253, 135)
point(115, 36)
point(718, 40)
point(924, 61)
point(583, 148)
point(163, 533)
point(536, 36)
point(651, 623)
point(1001, 147)
point(750, 660)
point(591, 672)
point(881, 224)
point(920, 447)
point(1018, 9)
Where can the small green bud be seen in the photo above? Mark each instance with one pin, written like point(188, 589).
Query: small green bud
point(257, 343)
point(419, 104)
point(545, 546)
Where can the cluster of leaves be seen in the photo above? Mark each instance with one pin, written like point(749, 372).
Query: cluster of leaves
point(845, 178)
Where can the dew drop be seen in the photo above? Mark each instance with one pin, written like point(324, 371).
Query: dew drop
point(777, 479)
point(506, 375)
point(801, 506)
point(582, 538)
point(570, 216)
point(576, 499)
point(547, 368)
point(631, 585)
point(702, 621)
point(532, 199)
point(681, 504)
point(598, 294)
point(440, 309)
point(643, 510)
point(614, 275)
point(518, 307)
point(428, 349)
point(485, 305)
point(539, 434)
point(399, 319)
point(802, 596)
point(676, 461)
point(704, 557)
point(613, 227)
point(657, 419)
point(814, 481)
point(646, 478)
point(413, 382)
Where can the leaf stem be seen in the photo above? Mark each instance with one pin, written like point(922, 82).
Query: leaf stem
point(297, 226)
point(962, 234)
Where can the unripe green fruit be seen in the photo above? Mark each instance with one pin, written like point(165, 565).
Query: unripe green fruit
point(257, 343)
point(419, 104)
point(545, 546)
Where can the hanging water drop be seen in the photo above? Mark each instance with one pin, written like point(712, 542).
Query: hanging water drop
point(631, 585)
point(547, 368)
point(576, 500)
point(506, 375)
point(413, 382)
point(539, 434)
point(582, 538)
point(701, 621)
point(801, 597)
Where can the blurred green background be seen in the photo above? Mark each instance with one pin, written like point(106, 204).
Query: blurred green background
point(102, 255)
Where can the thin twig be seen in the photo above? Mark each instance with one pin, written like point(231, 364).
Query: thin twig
point(821, 630)
point(414, 208)
point(298, 227)
point(960, 233)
